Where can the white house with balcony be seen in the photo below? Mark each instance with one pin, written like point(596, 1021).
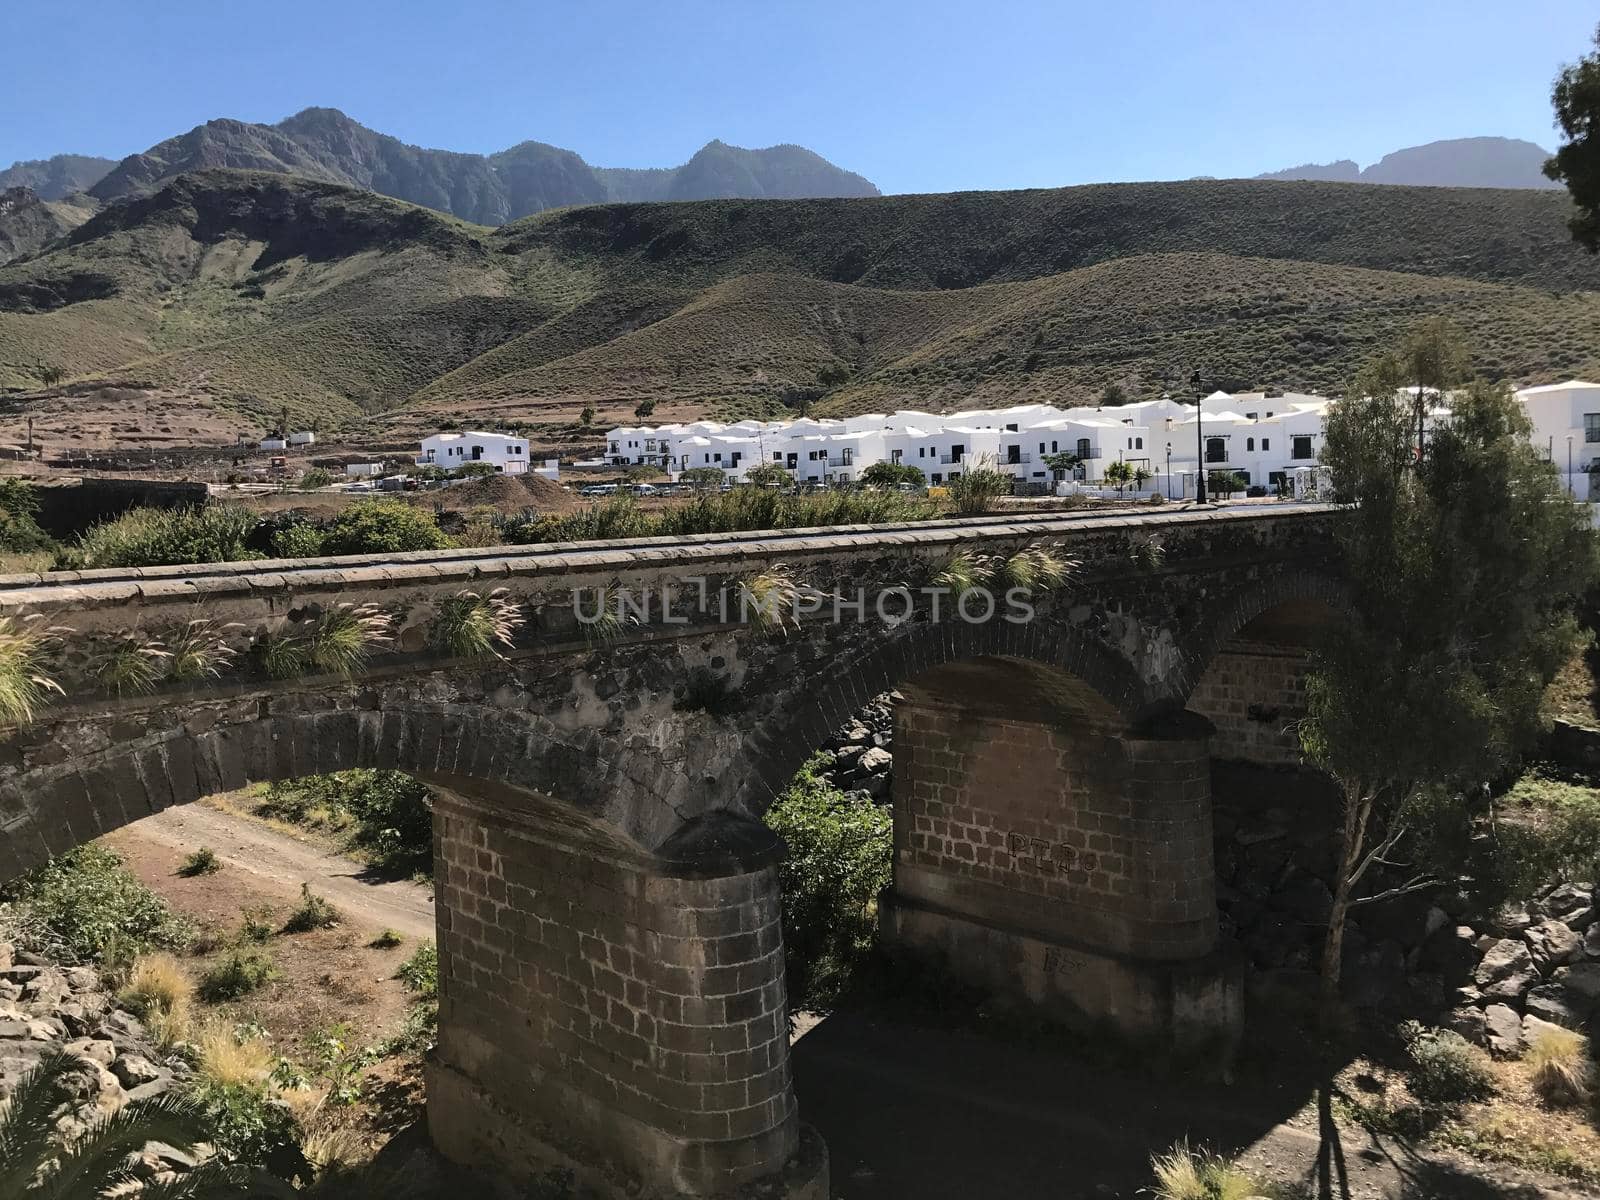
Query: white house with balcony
point(506, 453)
point(1566, 429)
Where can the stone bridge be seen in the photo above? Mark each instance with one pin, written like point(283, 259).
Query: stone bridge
point(611, 959)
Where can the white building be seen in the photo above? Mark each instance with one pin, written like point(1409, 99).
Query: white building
point(1267, 440)
point(1566, 427)
point(505, 452)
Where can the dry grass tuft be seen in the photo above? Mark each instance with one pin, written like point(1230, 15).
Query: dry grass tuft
point(1558, 1062)
point(232, 1060)
point(159, 991)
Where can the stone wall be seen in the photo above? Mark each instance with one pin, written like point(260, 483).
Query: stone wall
point(603, 1008)
point(1254, 694)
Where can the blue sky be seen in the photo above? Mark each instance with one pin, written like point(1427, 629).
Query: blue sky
point(928, 96)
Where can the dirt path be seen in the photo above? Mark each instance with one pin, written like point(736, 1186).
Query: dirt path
point(281, 863)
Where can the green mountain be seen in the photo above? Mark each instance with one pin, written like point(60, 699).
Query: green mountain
point(324, 144)
point(241, 292)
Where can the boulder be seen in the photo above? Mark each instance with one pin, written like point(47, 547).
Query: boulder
point(1535, 1027)
point(875, 762)
point(1580, 984)
point(1548, 1003)
point(1507, 971)
point(8, 952)
point(1468, 1022)
point(82, 979)
point(1551, 944)
point(135, 1070)
point(99, 1051)
point(1450, 952)
point(1509, 921)
point(1502, 1031)
point(1591, 941)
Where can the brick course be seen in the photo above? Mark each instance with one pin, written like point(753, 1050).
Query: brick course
point(1255, 694)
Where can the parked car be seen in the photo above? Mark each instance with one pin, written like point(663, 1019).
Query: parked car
point(646, 489)
point(598, 489)
point(1255, 489)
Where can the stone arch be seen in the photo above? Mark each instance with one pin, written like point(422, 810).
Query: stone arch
point(1251, 600)
point(775, 749)
point(54, 807)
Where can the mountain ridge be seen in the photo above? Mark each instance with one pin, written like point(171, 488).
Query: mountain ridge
point(240, 293)
point(487, 189)
point(1495, 162)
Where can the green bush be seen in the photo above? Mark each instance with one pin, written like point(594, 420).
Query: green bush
point(388, 814)
point(19, 531)
point(382, 527)
point(300, 540)
point(313, 912)
point(420, 972)
point(250, 1127)
point(154, 537)
point(315, 478)
point(87, 901)
point(838, 862)
point(1445, 1067)
point(238, 974)
point(891, 474)
point(203, 861)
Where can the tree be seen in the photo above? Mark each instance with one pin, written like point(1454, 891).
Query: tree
point(1141, 476)
point(1435, 356)
point(768, 475)
point(1576, 98)
point(49, 374)
point(1463, 572)
point(586, 416)
point(1060, 463)
point(644, 408)
point(1112, 395)
point(1225, 483)
point(892, 474)
point(700, 477)
point(1118, 473)
point(643, 473)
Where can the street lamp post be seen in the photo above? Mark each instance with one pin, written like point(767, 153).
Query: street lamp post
point(1199, 442)
point(1569, 464)
point(1169, 470)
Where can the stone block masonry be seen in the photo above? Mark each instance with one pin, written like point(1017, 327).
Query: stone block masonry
point(1255, 696)
point(616, 1013)
point(1064, 860)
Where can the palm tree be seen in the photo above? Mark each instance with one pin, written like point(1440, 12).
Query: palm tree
point(37, 1163)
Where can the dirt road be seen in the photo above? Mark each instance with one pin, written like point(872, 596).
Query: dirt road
point(282, 863)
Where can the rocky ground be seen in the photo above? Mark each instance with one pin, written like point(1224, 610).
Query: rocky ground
point(46, 1008)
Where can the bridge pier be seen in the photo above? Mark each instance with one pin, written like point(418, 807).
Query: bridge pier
point(611, 1013)
point(1047, 852)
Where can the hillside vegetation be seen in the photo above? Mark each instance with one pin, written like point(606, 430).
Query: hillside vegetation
point(250, 291)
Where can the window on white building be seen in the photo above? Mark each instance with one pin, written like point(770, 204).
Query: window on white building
point(1591, 427)
point(1249, 443)
point(1216, 450)
point(1266, 444)
point(1300, 446)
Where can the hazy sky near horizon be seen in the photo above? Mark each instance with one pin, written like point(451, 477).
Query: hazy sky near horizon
point(935, 95)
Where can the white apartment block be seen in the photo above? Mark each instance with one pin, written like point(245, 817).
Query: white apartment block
point(1260, 437)
point(506, 453)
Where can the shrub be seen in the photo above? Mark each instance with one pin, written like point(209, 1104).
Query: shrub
point(300, 540)
point(154, 537)
point(257, 923)
point(382, 527)
point(839, 860)
point(158, 991)
point(250, 1126)
point(313, 912)
point(1185, 1174)
point(237, 974)
point(1559, 1063)
point(19, 531)
point(965, 572)
point(389, 814)
point(889, 474)
point(203, 861)
point(25, 682)
point(346, 637)
point(1445, 1067)
point(420, 972)
point(1037, 569)
point(976, 489)
point(315, 478)
point(86, 902)
point(387, 940)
